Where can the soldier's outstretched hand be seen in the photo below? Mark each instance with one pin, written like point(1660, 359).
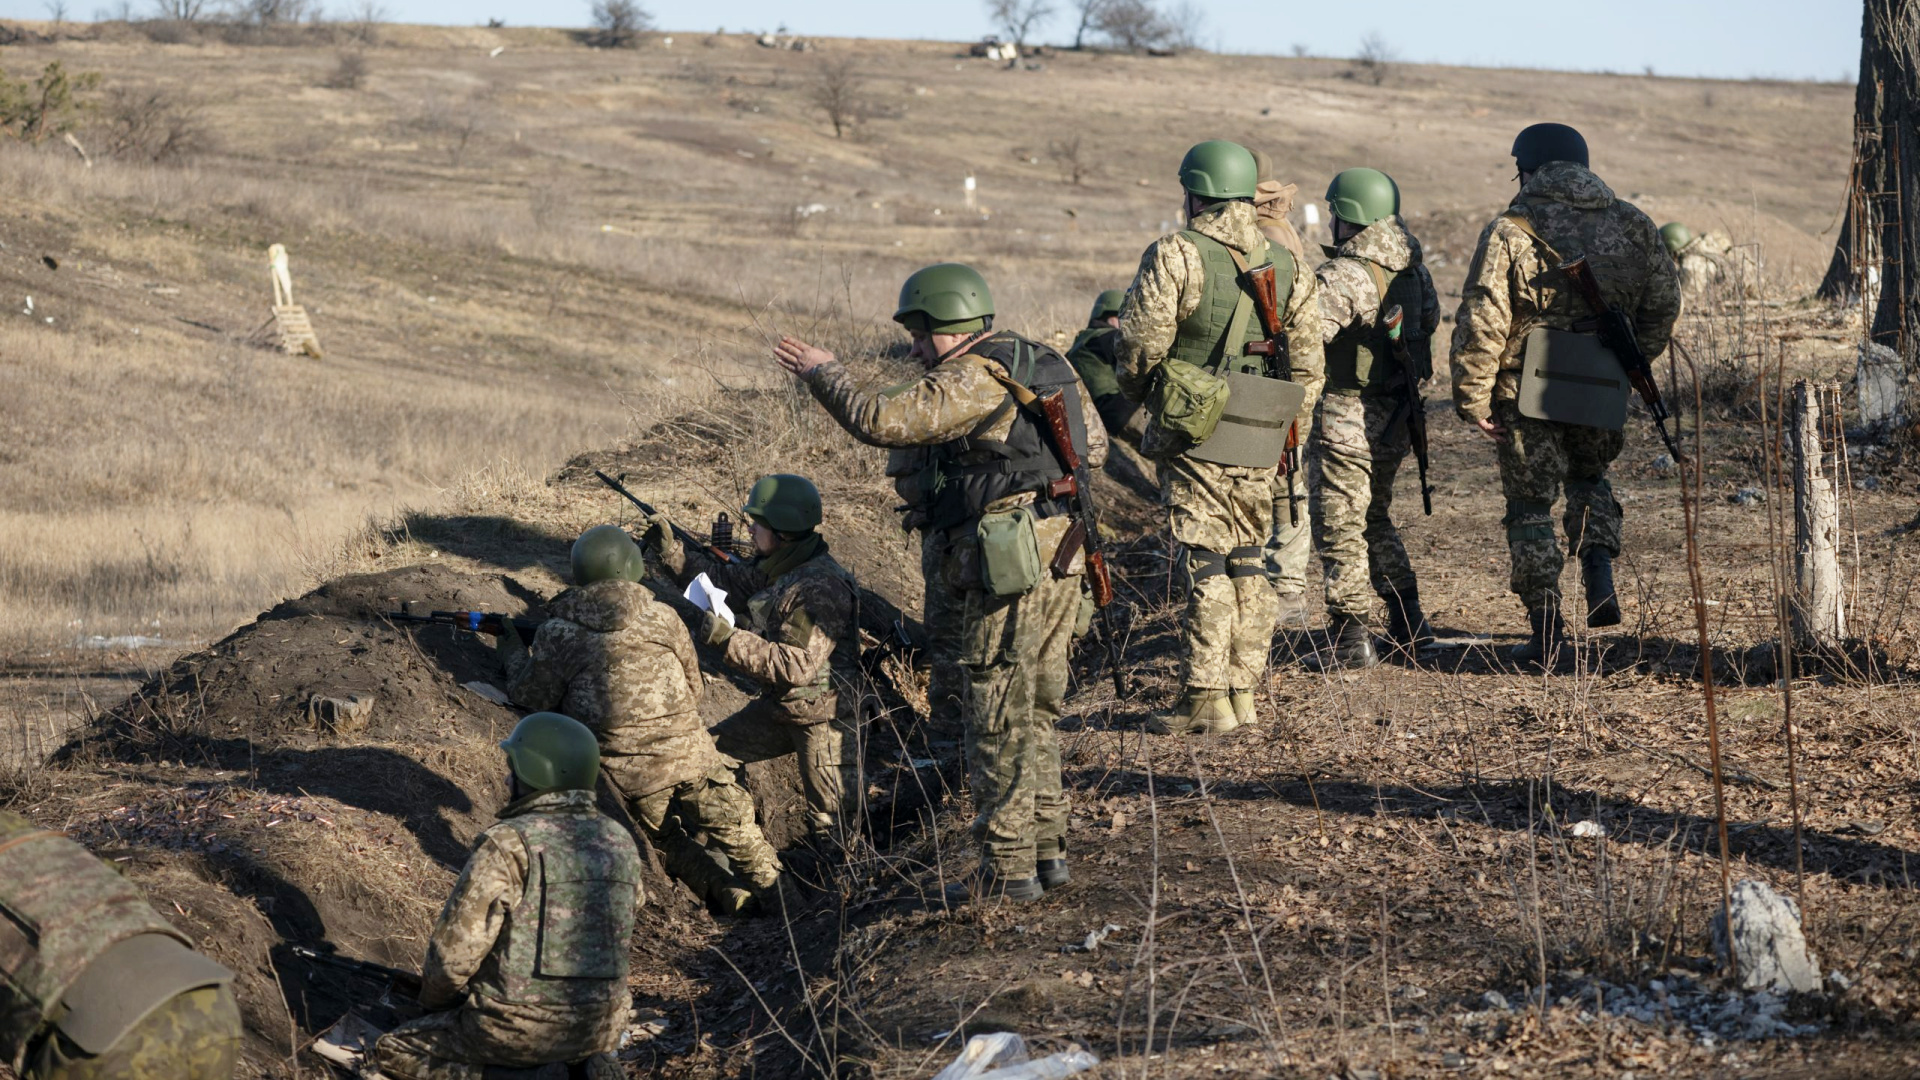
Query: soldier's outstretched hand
point(799, 357)
point(1492, 429)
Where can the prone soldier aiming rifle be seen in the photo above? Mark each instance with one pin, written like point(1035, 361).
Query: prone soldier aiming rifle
point(1414, 404)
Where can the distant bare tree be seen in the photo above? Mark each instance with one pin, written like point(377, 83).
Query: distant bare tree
point(1301, 50)
point(181, 10)
point(1019, 17)
point(1071, 157)
point(1375, 58)
point(1089, 11)
point(119, 12)
point(275, 12)
point(56, 11)
point(619, 23)
point(363, 20)
point(1186, 22)
point(1133, 25)
point(837, 92)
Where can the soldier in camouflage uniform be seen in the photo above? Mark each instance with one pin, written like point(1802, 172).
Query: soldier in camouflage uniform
point(1221, 516)
point(987, 466)
point(1289, 545)
point(621, 663)
point(802, 645)
point(1563, 211)
point(1093, 354)
point(1360, 434)
point(527, 965)
point(94, 984)
point(1702, 260)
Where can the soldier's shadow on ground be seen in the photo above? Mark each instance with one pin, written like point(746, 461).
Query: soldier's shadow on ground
point(1515, 807)
point(495, 540)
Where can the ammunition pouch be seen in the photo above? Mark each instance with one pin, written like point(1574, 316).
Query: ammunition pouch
point(1009, 552)
point(1187, 402)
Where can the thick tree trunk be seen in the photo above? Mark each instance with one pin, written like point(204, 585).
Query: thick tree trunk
point(1840, 284)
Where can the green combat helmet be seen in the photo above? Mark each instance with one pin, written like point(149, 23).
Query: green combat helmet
point(945, 298)
point(1109, 303)
point(1363, 196)
point(605, 552)
point(552, 752)
point(784, 503)
point(1218, 169)
point(1541, 143)
point(1677, 236)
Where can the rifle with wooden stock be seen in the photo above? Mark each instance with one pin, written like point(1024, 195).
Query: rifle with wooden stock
point(1416, 406)
point(1616, 333)
point(1084, 534)
point(1263, 283)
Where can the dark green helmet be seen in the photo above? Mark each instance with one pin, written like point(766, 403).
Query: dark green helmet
point(784, 503)
point(945, 298)
point(1677, 236)
point(1218, 169)
point(1363, 196)
point(1109, 303)
point(1541, 143)
point(551, 752)
point(605, 552)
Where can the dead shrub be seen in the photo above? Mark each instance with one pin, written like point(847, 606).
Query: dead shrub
point(838, 92)
point(152, 125)
point(1071, 157)
point(348, 73)
point(1374, 60)
point(618, 24)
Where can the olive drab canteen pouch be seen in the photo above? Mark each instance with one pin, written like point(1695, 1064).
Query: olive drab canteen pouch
point(1571, 378)
point(1009, 552)
point(1252, 432)
point(1187, 400)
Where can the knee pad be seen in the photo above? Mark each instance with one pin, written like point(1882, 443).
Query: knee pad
point(1245, 562)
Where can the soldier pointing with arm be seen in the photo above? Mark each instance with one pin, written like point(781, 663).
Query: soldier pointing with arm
point(1524, 327)
point(994, 532)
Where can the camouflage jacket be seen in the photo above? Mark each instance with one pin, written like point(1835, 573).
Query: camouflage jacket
point(1168, 288)
point(1513, 285)
point(477, 913)
point(801, 640)
point(1272, 203)
point(1349, 293)
point(946, 403)
point(620, 662)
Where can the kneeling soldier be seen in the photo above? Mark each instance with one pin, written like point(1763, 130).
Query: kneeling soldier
point(802, 645)
point(93, 982)
point(621, 663)
point(528, 963)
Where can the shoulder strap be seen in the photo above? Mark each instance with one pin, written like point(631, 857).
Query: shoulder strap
point(1519, 219)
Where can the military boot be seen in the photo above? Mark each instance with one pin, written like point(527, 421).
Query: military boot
point(1596, 573)
point(1053, 871)
point(1242, 701)
point(1546, 637)
point(1200, 712)
point(1293, 612)
point(984, 884)
point(1351, 646)
point(1407, 625)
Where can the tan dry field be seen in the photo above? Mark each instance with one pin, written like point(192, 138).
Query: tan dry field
point(516, 258)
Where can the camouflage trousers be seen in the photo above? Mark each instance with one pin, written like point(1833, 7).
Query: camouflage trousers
point(1288, 545)
point(828, 754)
point(1015, 655)
point(1537, 459)
point(946, 683)
point(690, 822)
point(194, 1036)
point(1358, 446)
point(457, 1045)
point(1220, 516)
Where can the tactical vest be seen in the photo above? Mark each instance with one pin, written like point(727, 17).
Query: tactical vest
point(1091, 354)
point(60, 909)
point(1201, 338)
point(798, 629)
point(564, 942)
point(1360, 358)
point(971, 473)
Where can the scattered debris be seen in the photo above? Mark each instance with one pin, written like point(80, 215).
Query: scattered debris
point(1748, 496)
point(1676, 1004)
point(1003, 1056)
point(1093, 939)
point(487, 690)
point(1769, 950)
point(1591, 830)
point(340, 714)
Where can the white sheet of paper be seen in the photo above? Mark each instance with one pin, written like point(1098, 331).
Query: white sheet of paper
point(710, 597)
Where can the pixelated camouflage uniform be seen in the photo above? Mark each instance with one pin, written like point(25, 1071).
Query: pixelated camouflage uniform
point(76, 929)
point(802, 644)
point(1709, 263)
point(1221, 515)
point(1012, 651)
point(1094, 354)
point(946, 683)
point(1287, 549)
point(1513, 286)
point(527, 964)
point(1360, 435)
point(620, 662)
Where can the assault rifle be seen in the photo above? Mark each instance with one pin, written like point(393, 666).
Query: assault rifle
point(1616, 333)
point(399, 978)
point(1416, 406)
point(480, 622)
point(1084, 534)
point(685, 536)
point(1263, 283)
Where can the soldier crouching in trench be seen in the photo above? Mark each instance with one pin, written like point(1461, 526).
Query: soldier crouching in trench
point(527, 965)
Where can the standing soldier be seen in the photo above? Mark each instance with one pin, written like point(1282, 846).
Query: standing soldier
point(527, 965)
point(1094, 354)
point(93, 982)
point(1191, 323)
point(1361, 435)
point(999, 548)
point(802, 646)
point(620, 662)
point(1517, 303)
point(1290, 543)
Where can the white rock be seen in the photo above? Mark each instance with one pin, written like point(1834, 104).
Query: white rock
point(1769, 948)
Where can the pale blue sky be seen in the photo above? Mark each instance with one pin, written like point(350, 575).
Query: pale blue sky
point(1816, 39)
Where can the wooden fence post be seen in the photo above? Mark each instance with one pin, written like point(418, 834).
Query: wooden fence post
point(1819, 610)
